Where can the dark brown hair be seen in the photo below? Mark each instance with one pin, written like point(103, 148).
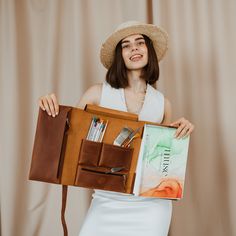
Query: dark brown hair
point(116, 75)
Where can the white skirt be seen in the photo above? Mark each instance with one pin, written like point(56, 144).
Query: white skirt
point(117, 214)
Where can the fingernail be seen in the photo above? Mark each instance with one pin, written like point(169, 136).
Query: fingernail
point(53, 115)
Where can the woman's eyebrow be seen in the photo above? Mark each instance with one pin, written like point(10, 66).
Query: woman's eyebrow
point(139, 38)
point(128, 41)
point(125, 41)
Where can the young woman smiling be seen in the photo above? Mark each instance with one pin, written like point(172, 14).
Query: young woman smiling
point(131, 55)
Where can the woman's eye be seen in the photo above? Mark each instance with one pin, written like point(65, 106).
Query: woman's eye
point(141, 43)
point(125, 46)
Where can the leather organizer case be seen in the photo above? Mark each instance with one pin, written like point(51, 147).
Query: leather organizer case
point(62, 155)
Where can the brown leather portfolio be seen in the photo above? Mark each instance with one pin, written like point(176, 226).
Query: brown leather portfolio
point(62, 155)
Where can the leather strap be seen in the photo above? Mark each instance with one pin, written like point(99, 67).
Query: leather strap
point(63, 209)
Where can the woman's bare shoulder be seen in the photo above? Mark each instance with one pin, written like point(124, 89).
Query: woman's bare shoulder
point(91, 96)
point(95, 89)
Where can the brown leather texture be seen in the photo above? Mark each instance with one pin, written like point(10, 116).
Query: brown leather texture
point(47, 157)
point(62, 155)
point(96, 162)
point(115, 156)
point(89, 153)
point(98, 179)
point(112, 113)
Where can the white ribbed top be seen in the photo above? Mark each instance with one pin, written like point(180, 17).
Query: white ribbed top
point(153, 106)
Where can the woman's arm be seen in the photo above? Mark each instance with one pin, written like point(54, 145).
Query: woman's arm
point(167, 113)
point(184, 127)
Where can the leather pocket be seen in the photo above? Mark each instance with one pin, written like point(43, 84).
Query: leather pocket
point(96, 179)
point(49, 146)
point(115, 156)
point(89, 153)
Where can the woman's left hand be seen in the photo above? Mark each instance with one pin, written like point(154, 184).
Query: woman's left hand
point(184, 128)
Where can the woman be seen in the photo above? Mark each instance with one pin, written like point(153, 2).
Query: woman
point(131, 55)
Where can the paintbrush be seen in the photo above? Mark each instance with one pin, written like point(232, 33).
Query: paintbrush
point(129, 139)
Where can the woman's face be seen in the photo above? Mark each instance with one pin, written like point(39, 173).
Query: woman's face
point(134, 52)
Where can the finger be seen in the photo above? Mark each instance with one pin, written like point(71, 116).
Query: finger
point(55, 103)
point(179, 130)
point(177, 122)
point(187, 129)
point(183, 132)
point(190, 130)
point(41, 104)
point(46, 105)
point(51, 105)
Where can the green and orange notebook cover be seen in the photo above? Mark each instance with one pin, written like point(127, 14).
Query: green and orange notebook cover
point(162, 164)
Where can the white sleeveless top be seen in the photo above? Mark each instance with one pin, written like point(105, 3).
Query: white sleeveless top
point(153, 106)
point(120, 214)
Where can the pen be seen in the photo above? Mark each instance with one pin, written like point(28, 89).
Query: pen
point(90, 128)
point(93, 130)
point(104, 129)
point(101, 132)
point(98, 131)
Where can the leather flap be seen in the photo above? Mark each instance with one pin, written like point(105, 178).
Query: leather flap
point(48, 144)
point(110, 112)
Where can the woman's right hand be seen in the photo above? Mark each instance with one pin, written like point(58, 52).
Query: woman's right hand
point(49, 104)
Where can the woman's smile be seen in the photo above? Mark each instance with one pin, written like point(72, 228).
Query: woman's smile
point(136, 57)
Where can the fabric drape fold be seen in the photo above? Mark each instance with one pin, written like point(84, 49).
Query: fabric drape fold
point(53, 46)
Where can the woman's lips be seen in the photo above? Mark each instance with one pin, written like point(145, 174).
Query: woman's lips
point(136, 57)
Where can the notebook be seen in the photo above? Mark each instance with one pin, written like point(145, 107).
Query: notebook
point(161, 164)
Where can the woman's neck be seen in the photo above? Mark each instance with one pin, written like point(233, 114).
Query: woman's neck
point(136, 83)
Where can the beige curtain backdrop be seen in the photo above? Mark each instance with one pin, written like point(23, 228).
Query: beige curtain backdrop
point(53, 46)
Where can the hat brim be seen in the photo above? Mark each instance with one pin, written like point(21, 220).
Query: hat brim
point(158, 36)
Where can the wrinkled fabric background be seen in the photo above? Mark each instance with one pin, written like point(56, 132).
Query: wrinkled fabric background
point(53, 46)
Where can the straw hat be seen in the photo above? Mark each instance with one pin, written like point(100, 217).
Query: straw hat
point(158, 36)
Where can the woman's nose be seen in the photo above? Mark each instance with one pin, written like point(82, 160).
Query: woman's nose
point(134, 47)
